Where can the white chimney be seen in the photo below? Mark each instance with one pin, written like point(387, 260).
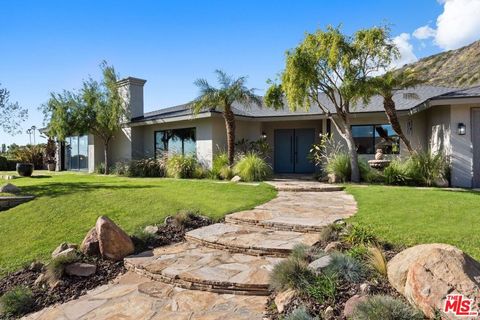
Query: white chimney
point(131, 89)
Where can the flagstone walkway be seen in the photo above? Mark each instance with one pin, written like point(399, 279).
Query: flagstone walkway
point(222, 270)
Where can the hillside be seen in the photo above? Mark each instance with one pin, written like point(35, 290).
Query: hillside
point(454, 68)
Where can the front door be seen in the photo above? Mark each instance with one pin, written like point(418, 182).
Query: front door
point(476, 146)
point(291, 149)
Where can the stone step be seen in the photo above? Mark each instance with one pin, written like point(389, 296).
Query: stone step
point(301, 212)
point(304, 186)
point(193, 266)
point(250, 240)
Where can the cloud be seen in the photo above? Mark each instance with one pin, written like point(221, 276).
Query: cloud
point(424, 32)
point(457, 26)
point(405, 49)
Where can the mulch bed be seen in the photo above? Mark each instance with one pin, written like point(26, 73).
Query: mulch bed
point(72, 287)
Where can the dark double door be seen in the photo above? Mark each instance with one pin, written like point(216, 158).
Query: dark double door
point(291, 149)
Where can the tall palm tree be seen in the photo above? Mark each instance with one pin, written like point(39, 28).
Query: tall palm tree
point(231, 90)
point(386, 86)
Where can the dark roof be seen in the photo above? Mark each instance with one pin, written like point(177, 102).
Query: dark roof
point(405, 100)
point(463, 93)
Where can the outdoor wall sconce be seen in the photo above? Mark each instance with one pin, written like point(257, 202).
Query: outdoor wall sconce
point(264, 135)
point(461, 129)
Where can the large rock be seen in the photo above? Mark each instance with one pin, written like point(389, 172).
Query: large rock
point(321, 263)
point(62, 247)
point(352, 304)
point(283, 299)
point(114, 243)
point(9, 188)
point(426, 274)
point(80, 269)
point(90, 244)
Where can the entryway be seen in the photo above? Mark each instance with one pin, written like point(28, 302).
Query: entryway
point(291, 149)
point(476, 146)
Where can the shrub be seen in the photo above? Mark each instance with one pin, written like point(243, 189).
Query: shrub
point(377, 260)
point(426, 167)
point(226, 173)
point(300, 314)
point(396, 173)
point(181, 166)
point(291, 274)
point(385, 307)
point(339, 165)
point(330, 233)
point(357, 252)
point(100, 168)
point(252, 168)
point(30, 154)
point(346, 267)
point(16, 302)
point(323, 288)
point(143, 240)
point(358, 235)
point(120, 168)
point(152, 167)
point(220, 162)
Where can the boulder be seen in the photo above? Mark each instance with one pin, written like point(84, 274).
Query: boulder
point(151, 229)
point(80, 269)
point(9, 188)
point(319, 264)
point(69, 254)
point(236, 179)
point(426, 274)
point(90, 245)
point(114, 243)
point(352, 304)
point(283, 299)
point(62, 247)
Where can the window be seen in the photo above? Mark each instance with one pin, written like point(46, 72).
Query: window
point(76, 153)
point(181, 141)
point(369, 138)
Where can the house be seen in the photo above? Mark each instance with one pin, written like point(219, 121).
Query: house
point(435, 118)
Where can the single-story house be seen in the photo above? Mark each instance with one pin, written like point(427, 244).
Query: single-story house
point(433, 118)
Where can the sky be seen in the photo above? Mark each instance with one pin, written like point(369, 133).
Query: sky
point(47, 46)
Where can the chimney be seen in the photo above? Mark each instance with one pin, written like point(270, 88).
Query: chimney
point(131, 90)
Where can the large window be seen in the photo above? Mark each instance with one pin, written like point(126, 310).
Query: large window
point(369, 138)
point(181, 141)
point(76, 153)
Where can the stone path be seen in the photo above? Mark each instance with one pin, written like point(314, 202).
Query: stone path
point(222, 270)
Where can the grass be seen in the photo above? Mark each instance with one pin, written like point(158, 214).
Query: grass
point(68, 204)
point(408, 216)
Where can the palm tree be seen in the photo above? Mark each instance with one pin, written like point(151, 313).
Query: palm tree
point(386, 86)
point(231, 90)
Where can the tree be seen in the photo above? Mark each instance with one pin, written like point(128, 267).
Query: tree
point(11, 114)
point(336, 66)
point(386, 85)
point(231, 90)
point(97, 108)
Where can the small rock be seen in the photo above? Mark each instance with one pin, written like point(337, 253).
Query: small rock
point(151, 229)
point(114, 243)
point(333, 246)
point(328, 313)
point(36, 266)
point(283, 299)
point(41, 279)
point(333, 178)
point(62, 247)
point(90, 245)
point(365, 288)
point(319, 264)
point(168, 220)
point(80, 269)
point(236, 179)
point(352, 304)
point(69, 254)
point(9, 188)
point(55, 283)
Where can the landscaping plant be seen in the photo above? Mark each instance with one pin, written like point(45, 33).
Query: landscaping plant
point(385, 308)
point(346, 267)
point(219, 163)
point(358, 235)
point(300, 313)
point(151, 167)
point(252, 168)
point(181, 166)
point(377, 261)
point(16, 302)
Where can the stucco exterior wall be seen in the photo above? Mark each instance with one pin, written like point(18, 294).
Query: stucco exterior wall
point(439, 129)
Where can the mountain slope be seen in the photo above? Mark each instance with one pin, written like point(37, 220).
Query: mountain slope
point(454, 68)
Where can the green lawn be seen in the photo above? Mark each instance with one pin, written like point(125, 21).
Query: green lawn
point(68, 204)
point(408, 216)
